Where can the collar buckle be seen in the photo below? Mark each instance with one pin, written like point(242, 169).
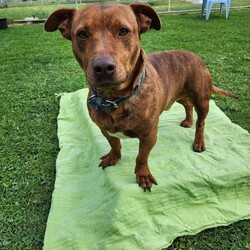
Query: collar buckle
point(113, 104)
point(98, 103)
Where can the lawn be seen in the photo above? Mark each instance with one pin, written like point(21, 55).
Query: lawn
point(37, 66)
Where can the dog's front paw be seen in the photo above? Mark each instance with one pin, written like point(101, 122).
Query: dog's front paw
point(109, 159)
point(186, 123)
point(145, 179)
point(199, 147)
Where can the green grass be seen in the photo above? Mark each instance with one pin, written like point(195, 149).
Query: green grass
point(35, 66)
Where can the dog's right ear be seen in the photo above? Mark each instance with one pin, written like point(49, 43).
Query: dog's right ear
point(60, 19)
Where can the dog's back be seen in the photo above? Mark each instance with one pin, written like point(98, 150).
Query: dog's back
point(183, 73)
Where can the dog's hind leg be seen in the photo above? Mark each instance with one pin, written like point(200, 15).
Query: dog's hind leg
point(202, 108)
point(188, 105)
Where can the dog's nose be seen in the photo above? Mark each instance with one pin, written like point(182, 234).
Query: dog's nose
point(104, 67)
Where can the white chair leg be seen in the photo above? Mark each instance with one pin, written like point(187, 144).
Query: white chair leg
point(208, 10)
point(227, 9)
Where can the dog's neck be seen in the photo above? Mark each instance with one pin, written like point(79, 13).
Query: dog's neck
point(112, 93)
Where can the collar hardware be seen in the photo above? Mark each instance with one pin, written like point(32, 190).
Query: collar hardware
point(98, 103)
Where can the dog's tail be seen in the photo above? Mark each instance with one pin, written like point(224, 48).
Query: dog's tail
point(222, 92)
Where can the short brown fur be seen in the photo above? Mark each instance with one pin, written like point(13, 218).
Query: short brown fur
point(106, 44)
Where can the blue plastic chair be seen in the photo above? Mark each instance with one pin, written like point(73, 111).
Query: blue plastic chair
point(209, 3)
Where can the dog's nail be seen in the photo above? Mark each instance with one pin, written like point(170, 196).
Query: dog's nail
point(154, 181)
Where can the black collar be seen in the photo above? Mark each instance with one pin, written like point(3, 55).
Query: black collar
point(98, 103)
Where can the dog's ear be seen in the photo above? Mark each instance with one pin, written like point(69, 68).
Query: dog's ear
point(60, 19)
point(146, 17)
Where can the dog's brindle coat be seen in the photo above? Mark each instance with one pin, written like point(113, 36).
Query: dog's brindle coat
point(106, 43)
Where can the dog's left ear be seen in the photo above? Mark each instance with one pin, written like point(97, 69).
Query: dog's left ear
point(146, 17)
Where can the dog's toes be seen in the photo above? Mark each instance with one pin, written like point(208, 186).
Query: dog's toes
point(106, 162)
point(199, 147)
point(109, 159)
point(145, 182)
point(186, 123)
point(154, 181)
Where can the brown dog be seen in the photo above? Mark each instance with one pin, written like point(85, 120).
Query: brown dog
point(127, 89)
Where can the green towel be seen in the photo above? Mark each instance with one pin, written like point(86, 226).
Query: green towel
point(105, 209)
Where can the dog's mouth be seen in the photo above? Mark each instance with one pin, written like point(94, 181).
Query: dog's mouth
point(109, 88)
point(116, 81)
point(106, 84)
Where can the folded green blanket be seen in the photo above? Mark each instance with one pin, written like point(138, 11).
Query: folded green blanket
point(105, 209)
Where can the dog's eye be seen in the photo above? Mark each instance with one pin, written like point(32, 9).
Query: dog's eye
point(83, 34)
point(123, 32)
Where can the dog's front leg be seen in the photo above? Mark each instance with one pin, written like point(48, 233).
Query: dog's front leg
point(143, 176)
point(114, 154)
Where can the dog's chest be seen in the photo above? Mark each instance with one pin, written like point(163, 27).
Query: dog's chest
point(115, 122)
point(121, 124)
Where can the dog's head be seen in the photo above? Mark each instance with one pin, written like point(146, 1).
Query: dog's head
point(105, 39)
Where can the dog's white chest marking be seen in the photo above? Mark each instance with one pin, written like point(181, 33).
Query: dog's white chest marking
point(119, 135)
